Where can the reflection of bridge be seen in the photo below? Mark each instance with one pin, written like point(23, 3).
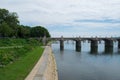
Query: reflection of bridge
point(94, 41)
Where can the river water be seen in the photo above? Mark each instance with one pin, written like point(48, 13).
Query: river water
point(87, 65)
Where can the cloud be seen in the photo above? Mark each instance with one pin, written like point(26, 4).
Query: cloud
point(77, 16)
point(99, 21)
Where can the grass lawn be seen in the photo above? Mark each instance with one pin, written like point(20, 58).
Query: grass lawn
point(21, 68)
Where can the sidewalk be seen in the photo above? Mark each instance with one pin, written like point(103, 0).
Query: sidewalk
point(45, 69)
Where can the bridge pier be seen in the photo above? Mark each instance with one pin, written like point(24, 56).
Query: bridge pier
point(61, 45)
point(108, 50)
point(109, 46)
point(94, 46)
point(78, 45)
point(94, 42)
point(109, 43)
point(119, 44)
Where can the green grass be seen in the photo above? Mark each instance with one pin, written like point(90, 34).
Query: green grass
point(12, 42)
point(8, 55)
point(18, 42)
point(20, 68)
point(12, 49)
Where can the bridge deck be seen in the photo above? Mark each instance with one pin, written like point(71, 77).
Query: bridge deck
point(85, 38)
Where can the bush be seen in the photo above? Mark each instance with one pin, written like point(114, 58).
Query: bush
point(8, 55)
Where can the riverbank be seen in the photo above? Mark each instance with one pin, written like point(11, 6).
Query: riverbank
point(18, 57)
point(46, 68)
point(19, 69)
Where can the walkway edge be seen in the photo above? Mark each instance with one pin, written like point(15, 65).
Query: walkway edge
point(46, 68)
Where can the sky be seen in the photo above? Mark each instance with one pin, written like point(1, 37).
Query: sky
point(69, 18)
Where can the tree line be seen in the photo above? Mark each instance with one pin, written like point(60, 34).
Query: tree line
point(10, 27)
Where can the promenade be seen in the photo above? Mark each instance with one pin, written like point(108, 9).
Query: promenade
point(45, 69)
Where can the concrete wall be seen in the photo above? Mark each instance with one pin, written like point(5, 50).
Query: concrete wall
point(46, 68)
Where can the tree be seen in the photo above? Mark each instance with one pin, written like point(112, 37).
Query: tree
point(39, 31)
point(11, 19)
point(23, 31)
point(5, 30)
point(10, 27)
point(3, 15)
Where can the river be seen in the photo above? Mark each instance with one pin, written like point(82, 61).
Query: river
point(87, 65)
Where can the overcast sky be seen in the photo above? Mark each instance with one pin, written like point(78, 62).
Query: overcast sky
point(69, 17)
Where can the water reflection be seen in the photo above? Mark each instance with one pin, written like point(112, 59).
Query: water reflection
point(96, 63)
point(78, 49)
point(119, 50)
point(62, 55)
point(108, 50)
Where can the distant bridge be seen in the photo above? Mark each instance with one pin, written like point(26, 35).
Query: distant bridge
point(93, 40)
point(86, 38)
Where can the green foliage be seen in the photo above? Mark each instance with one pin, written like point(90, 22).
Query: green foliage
point(12, 54)
point(3, 14)
point(23, 31)
point(9, 18)
point(19, 42)
point(20, 68)
point(12, 42)
point(11, 51)
point(5, 30)
point(8, 22)
point(10, 27)
point(39, 31)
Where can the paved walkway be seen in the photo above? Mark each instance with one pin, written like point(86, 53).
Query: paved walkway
point(45, 69)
